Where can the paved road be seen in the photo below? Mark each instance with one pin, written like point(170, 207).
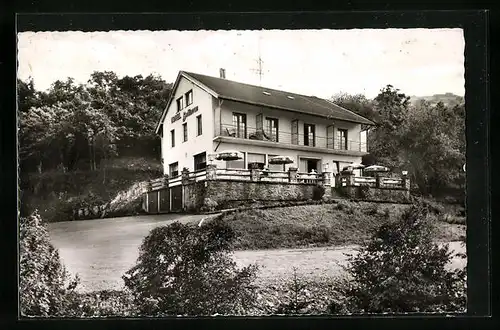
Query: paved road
point(101, 251)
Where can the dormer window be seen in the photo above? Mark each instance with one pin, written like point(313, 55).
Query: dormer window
point(290, 97)
point(180, 103)
point(266, 93)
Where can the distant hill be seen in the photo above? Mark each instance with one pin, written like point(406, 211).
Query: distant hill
point(447, 99)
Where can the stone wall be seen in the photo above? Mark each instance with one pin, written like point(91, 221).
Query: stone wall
point(194, 195)
point(229, 193)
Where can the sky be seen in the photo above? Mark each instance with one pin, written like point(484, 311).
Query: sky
point(322, 63)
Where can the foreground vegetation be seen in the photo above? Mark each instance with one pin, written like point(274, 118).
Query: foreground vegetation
point(342, 223)
point(187, 270)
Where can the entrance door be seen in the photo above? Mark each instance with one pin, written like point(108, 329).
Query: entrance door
point(176, 198)
point(164, 201)
point(153, 201)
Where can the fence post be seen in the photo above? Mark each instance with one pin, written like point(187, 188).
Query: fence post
point(405, 183)
point(327, 184)
point(378, 181)
point(211, 171)
point(254, 174)
point(292, 174)
point(165, 180)
point(149, 186)
point(185, 176)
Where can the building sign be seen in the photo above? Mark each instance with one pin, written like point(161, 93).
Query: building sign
point(184, 115)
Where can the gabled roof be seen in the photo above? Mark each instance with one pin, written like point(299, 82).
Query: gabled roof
point(268, 97)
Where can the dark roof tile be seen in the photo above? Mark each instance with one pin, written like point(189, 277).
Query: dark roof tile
point(232, 90)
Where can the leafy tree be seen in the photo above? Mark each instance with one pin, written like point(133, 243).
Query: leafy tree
point(184, 270)
point(27, 96)
point(402, 270)
point(433, 146)
point(45, 287)
point(357, 103)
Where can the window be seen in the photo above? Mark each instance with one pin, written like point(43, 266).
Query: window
point(173, 169)
point(240, 125)
point(189, 98)
point(272, 129)
point(200, 161)
point(342, 139)
point(258, 159)
point(172, 138)
point(240, 163)
point(309, 135)
point(199, 127)
point(185, 131)
point(180, 104)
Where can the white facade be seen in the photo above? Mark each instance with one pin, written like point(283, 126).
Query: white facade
point(219, 127)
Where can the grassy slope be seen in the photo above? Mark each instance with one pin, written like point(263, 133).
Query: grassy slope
point(54, 194)
point(321, 225)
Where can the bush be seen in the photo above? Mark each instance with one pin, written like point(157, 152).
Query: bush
point(402, 270)
point(298, 299)
point(45, 287)
point(102, 303)
point(318, 192)
point(186, 270)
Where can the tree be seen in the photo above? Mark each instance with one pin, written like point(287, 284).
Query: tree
point(186, 270)
point(27, 96)
point(45, 287)
point(402, 270)
point(357, 103)
point(433, 146)
point(391, 108)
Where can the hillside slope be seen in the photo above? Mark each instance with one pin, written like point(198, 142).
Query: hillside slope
point(344, 223)
point(57, 194)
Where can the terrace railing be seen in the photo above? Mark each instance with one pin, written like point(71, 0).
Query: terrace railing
point(252, 133)
point(232, 174)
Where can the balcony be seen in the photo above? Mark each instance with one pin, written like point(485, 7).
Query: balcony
point(253, 136)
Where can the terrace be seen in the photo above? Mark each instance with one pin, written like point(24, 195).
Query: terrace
point(288, 140)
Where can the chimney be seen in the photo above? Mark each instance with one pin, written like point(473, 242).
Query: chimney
point(223, 73)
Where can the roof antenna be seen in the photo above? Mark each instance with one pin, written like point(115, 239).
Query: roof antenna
point(259, 63)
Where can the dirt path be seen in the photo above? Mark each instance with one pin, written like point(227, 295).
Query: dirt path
point(101, 251)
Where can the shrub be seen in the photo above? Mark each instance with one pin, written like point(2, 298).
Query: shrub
point(102, 303)
point(318, 192)
point(298, 299)
point(402, 270)
point(187, 270)
point(45, 287)
point(209, 205)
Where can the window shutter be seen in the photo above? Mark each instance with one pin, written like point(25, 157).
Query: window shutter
point(295, 131)
point(329, 137)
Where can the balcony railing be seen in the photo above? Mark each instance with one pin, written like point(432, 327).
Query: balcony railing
point(252, 133)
